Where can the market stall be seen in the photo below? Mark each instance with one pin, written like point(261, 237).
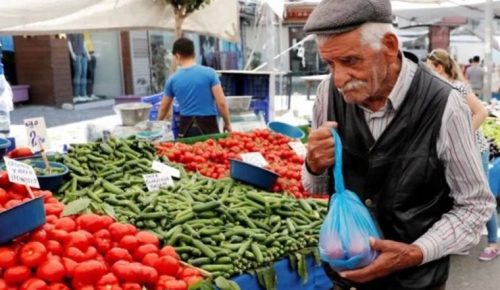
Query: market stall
point(220, 231)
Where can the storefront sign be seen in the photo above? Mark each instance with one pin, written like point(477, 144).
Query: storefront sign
point(37, 133)
point(254, 158)
point(155, 181)
point(21, 173)
point(163, 168)
point(299, 148)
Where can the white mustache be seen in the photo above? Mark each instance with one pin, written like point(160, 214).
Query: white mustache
point(353, 85)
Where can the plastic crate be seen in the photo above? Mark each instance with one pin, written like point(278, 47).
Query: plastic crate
point(256, 86)
point(229, 85)
point(495, 96)
point(154, 99)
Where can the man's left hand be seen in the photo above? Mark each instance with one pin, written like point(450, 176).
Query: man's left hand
point(393, 256)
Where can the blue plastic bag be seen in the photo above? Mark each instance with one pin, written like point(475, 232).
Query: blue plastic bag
point(344, 237)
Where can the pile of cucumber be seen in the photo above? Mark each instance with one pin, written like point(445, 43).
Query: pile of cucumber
point(113, 167)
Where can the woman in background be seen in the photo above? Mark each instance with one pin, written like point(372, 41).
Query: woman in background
point(440, 61)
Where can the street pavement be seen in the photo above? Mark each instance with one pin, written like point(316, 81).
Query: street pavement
point(67, 126)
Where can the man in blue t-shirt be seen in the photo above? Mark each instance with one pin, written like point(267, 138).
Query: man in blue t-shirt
point(198, 91)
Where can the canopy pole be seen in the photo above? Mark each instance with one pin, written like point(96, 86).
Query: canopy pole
point(488, 57)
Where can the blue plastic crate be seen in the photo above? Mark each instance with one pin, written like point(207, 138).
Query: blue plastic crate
point(495, 96)
point(152, 99)
point(256, 86)
point(229, 85)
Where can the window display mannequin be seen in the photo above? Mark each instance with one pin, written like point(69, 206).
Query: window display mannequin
point(91, 66)
point(80, 57)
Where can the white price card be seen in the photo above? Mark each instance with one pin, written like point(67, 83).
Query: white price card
point(21, 173)
point(299, 148)
point(163, 168)
point(156, 181)
point(254, 158)
point(37, 133)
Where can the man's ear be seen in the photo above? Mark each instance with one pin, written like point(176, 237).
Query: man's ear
point(390, 44)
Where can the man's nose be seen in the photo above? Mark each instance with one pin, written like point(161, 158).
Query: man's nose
point(340, 77)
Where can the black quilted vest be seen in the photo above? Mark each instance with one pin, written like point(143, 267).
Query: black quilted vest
point(399, 176)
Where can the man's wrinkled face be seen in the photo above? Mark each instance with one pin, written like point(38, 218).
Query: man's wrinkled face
point(358, 71)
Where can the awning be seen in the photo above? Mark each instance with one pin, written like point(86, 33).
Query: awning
point(32, 17)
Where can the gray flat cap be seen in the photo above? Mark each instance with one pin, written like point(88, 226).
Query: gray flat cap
point(339, 16)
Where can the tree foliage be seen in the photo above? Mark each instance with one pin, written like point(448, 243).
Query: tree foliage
point(186, 7)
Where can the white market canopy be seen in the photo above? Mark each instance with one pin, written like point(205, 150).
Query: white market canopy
point(35, 17)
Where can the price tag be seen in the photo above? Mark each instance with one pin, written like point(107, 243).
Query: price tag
point(254, 158)
point(21, 173)
point(299, 148)
point(37, 133)
point(156, 181)
point(163, 168)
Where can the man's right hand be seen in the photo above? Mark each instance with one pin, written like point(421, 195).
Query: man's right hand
point(321, 148)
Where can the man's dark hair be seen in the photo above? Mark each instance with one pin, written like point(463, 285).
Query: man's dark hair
point(476, 59)
point(184, 47)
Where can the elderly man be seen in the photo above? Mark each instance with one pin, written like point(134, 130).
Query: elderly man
point(408, 150)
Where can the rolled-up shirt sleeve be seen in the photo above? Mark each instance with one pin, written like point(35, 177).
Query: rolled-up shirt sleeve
point(459, 229)
point(318, 184)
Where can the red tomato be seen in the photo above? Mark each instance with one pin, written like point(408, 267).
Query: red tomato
point(167, 265)
point(143, 250)
point(33, 254)
point(69, 266)
point(117, 254)
point(33, 284)
point(169, 251)
point(150, 259)
point(118, 231)
point(77, 240)
point(66, 224)
point(144, 237)
point(51, 271)
point(4, 179)
point(17, 275)
point(54, 247)
point(58, 286)
point(128, 243)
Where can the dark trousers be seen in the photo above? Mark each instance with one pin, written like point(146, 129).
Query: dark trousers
point(91, 74)
point(196, 126)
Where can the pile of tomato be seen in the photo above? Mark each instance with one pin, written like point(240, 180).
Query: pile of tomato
point(211, 158)
point(86, 252)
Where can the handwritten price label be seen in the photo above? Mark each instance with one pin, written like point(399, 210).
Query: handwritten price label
point(37, 133)
point(299, 148)
point(254, 158)
point(155, 181)
point(163, 168)
point(21, 173)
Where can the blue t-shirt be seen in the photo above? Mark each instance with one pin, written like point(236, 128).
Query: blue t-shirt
point(192, 87)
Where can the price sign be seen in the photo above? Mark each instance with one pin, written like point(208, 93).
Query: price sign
point(21, 173)
point(37, 133)
point(254, 158)
point(156, 181)
point(163, 168)
point(299, 148)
